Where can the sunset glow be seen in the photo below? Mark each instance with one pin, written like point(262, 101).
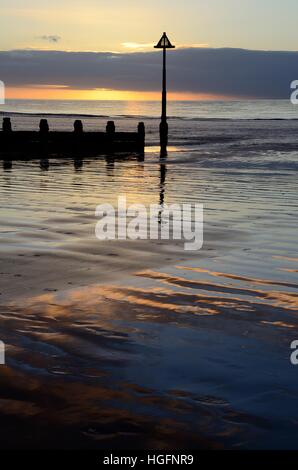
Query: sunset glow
point(64, 93)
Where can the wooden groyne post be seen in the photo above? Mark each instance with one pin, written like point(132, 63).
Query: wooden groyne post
point(6, 126)
point(34, 144)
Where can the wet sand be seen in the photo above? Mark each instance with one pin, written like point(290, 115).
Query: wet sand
point(28, 271)
point(139, 344)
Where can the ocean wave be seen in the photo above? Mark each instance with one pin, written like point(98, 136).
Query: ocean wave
point(139, 117)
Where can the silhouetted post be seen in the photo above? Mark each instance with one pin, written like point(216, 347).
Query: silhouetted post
point(110, 130)
point(43, 133)
point(43, 126)
point(77, 142)
point(7, 134)
point(110, 127)
point(6, 125)
point(141, 130)
point(164, 44)
point(78, 127)
point(141, 138)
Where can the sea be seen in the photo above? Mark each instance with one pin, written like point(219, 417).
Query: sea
point(140, 345)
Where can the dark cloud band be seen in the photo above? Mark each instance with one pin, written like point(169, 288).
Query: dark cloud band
point(231, 72)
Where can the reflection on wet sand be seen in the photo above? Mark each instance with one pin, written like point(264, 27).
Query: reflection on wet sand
point(126, 364)
point(241, 278)
point(287, 300)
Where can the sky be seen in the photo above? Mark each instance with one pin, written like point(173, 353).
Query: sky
point(213, 38)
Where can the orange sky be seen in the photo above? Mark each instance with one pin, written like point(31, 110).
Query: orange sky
point(64, 93)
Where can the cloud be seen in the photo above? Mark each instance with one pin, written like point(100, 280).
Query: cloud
point(53, 38)
point(192, 46)
point(137, 46)
point(229, 72)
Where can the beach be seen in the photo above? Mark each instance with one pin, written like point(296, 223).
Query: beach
point(140, 344)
